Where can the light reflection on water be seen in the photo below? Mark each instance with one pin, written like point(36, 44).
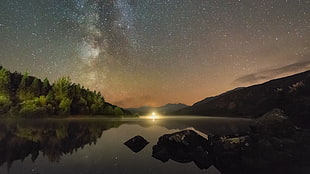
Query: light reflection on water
point(96, 145)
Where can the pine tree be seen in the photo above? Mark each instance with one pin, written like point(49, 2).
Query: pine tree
point(5, 102)
point(35, 87)
point(4, 81)
point(61, 88)
point(45, 86)
point(22, 91)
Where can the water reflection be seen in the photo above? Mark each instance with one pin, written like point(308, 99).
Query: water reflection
point(53, 138)
point(94, 144)
point(97, 146)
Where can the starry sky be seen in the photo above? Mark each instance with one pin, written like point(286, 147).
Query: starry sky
point(153, 52)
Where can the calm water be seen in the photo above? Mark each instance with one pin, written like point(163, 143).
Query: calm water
point(96, 145)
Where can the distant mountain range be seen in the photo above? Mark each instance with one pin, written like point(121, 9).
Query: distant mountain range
point(292, 94)
point(168, 108)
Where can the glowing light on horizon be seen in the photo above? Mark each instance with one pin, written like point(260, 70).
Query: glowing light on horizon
point(153, 116)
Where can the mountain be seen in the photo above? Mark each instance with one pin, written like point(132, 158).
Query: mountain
point(28, 96)
point(214, 97)
point(168, 108)
point(291, 94)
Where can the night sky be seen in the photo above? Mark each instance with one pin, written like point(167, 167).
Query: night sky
point(153, 52)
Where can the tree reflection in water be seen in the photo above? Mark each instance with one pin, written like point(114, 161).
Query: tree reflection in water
point(54, 139)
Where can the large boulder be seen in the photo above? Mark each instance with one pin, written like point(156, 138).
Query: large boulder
point(274, 123)
point(205, 151)
point(184, 146)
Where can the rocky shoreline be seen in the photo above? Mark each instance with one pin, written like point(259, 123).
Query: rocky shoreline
point(274, 145)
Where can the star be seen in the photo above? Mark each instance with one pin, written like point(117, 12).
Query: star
point(153, 52)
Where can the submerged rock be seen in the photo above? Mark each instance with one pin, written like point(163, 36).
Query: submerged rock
point(184, 146)
point(136, 144)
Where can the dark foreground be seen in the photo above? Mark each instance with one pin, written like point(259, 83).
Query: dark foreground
point(270, 144)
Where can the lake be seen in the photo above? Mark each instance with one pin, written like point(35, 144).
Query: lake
point(96, 145)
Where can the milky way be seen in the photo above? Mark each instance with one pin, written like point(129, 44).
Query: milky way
point(152, 52)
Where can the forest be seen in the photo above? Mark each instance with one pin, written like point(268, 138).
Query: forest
point(27, 96)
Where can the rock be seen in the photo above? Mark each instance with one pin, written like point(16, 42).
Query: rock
point(161, 153)
point(274, 123)
point(273, 145)
point(276, 115)
point(136, 144)
point(235, 142)
point(229, 162)
point(213, 170)
point(184, 146)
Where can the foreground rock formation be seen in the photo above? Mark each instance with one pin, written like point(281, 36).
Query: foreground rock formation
point(184, 146)
point(273, 145)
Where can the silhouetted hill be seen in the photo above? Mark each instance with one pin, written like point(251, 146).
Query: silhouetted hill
point(292, 94)
point(168, 108)
point(215, 97)
point(28, 96)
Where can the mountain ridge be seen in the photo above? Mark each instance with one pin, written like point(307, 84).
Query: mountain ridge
point(291, 93)
point(164, 109)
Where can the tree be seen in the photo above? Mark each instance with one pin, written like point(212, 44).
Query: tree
point(29, 96)
point(4, 81)
point(64, 105)
point(35, 87)
point(5, 102)
point(42, 100)
point(108, 110)
point(32, 108)
point(61, 88)
point(118, 111)
point(22, 92)
point(45, 86)
point(98, 104)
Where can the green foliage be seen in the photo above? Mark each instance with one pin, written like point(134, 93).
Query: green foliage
point(108, 110)
point(23, 92)
point(32, 108)
point(4, 99)
point(96, 108)
point(118, 111)
point(4, 81)
point(64, 105)
point(50, 97)
point(61, 88)
point(42, 100)
point(5, 104)
point(28, 96)
point(45, 87)
point(35, 87)
point(98, 104)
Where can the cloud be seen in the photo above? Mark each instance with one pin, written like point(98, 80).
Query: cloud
point(273, 73)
